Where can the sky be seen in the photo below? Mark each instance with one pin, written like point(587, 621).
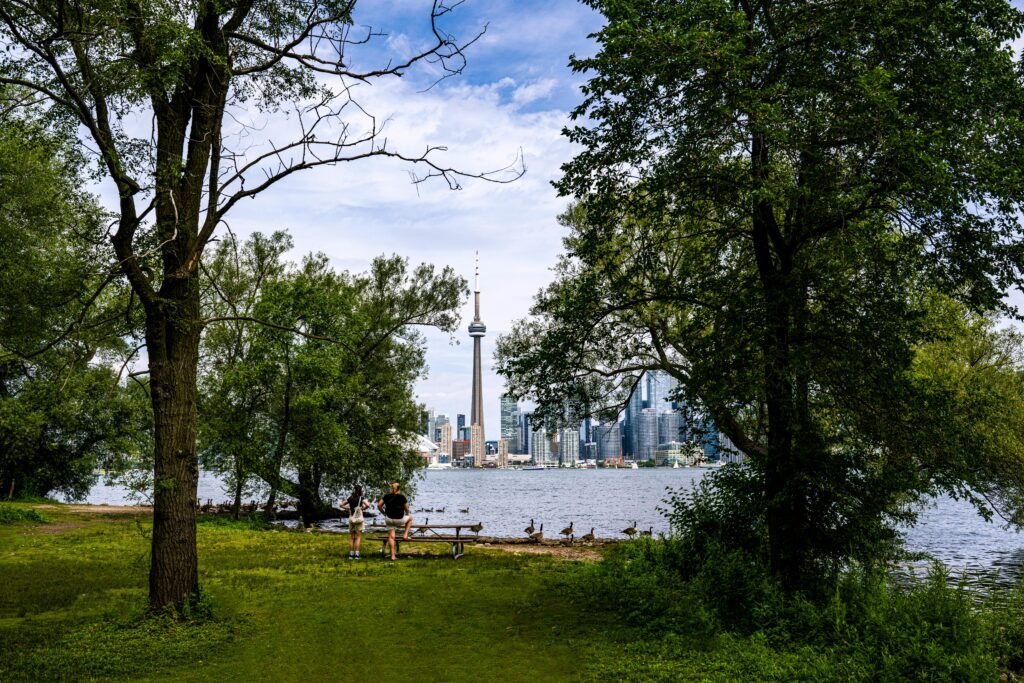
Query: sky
point(513, 97)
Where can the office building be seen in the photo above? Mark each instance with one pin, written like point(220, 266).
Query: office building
point(510, 422)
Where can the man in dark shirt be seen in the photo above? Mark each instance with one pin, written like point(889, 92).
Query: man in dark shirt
point(395, 507)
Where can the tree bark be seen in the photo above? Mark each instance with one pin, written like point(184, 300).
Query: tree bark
point(172, 335)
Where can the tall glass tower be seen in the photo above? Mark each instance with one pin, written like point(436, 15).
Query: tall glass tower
point(510, 423)
point(477, 330)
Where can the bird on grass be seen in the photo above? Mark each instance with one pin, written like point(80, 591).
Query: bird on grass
point(529, 530)
point(630, 530)
point(567, 531)
point(539, 535)
point(648, 532)
point(588, 538)
point(426, 522)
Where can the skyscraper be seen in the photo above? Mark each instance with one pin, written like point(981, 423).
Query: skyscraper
point(510, 423)
point(569, 445)
point(477, 330)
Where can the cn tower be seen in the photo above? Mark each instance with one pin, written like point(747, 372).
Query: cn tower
point(477, 330)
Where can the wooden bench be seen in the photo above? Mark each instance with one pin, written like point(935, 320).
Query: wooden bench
point(432, 533)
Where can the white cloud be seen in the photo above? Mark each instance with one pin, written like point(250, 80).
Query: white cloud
point(531, 92)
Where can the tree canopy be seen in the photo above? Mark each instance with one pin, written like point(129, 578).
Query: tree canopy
point(319, 397)
point(776, 203)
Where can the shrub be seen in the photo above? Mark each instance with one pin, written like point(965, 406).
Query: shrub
point(9, 514)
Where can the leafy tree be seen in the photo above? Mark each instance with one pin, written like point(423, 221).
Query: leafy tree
point(63, 410)
point(771, 197)
point(234, 392)
point(318, 396)
point(156, 88)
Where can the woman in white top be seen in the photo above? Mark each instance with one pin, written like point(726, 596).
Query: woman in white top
point(355, 506)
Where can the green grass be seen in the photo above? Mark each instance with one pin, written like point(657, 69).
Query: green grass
point(286, 607)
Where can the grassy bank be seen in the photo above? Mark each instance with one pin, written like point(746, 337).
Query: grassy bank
point(285, 606)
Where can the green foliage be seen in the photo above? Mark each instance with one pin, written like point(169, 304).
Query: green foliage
point(63, 411)
point(790, 208)
point(730, 621)
point(10, 514)
point(309, 380)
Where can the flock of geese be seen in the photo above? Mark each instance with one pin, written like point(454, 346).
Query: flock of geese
point(537, 535)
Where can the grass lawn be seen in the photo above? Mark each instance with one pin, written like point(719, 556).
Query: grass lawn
point(286, 606)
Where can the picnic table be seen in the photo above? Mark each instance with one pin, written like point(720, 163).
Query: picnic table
point(455, 534)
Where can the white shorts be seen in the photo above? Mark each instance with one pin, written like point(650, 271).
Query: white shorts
point(400, 522)
point(355, 527)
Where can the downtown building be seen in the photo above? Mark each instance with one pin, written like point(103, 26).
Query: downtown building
point(510, 423)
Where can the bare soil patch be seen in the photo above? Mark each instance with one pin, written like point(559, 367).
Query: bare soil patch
point(562, 552)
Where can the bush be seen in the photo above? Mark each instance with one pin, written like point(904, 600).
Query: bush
point(9, 514)
point(871, 628)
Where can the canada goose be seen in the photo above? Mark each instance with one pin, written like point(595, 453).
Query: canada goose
point(476, 527)
point(630, 531)
point(567, 531)
point(426, 522)
point(529, 530)
point(588, 538)
point(538, 536)
point(439, 510)
point(648, 532)
point(464, 510)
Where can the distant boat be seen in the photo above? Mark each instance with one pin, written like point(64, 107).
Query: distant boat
point(439, 466)
point(675, 465)
point(634, 466)
point(535, 467)
point(715, 464)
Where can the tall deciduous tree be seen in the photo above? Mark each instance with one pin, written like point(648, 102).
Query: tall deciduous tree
point(319, 396)
point(767, 192)
point(155, 85)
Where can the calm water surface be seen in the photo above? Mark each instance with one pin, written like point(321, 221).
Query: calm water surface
point(611, 500)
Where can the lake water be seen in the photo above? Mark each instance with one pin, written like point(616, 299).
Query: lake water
point(610, 500)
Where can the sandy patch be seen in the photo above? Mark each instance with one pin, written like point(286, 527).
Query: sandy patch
point(562, 552)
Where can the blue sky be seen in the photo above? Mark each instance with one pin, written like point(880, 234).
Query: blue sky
point(514, 95)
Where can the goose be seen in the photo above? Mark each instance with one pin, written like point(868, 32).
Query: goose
point(464, 510)
point(630, 531)
point(476, 527)
point(439, 510)
point(567, 531)
point(426, 522)
point(538, 536)
point(588, 538)
point(529, 530)
point(648, 532)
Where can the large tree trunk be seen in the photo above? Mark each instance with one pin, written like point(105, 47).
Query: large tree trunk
point(172, 336)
